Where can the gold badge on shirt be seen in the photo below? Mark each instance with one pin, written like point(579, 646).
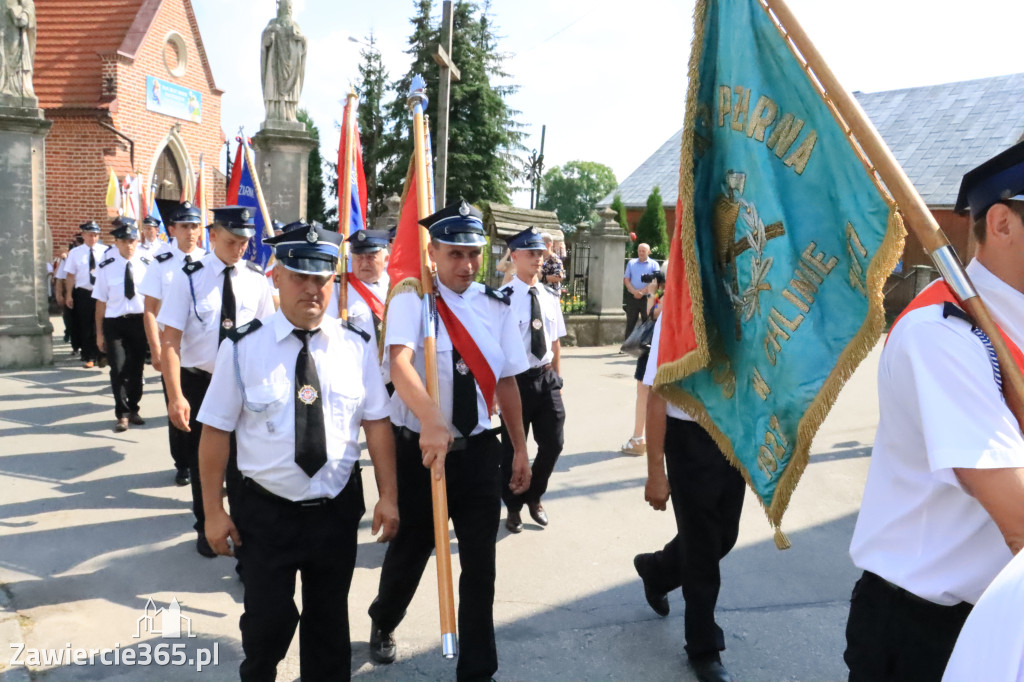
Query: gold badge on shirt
point(308, 395)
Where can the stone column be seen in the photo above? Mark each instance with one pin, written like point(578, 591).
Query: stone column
point(392, 211)
point(25, 329)
point(282, 162)
point(605, 320)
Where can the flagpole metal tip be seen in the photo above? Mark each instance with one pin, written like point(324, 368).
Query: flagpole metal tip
point(418, 92)
point(449, 645)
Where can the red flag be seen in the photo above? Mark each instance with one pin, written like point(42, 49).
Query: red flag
point(678, 336)
point(236, 177)
point(406, 256)
point(358, 179)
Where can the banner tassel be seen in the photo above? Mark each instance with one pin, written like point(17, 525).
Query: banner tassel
point(781, 541)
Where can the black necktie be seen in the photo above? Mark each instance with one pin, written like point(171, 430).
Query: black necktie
point(227, 304)
point(464, 408)
point(129, 282)
point(537, 345)
point(92, 267)
point(188, 259)
point(310, 434)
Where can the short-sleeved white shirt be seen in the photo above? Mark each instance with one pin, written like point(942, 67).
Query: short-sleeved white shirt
point(109, 287)
point(351, 391)
point(487, 320)
point(161, 270)
point(940, 409)
point(199, 319)
point(359, 312)
point(77, 263)
point(152, 249)
point(552, 321)
point(652, 369)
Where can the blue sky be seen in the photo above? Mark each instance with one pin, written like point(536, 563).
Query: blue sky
point(608, 78)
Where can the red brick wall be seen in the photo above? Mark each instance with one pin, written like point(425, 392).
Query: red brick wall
point(78, 150)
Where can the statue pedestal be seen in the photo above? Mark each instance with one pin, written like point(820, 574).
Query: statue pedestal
point(25, 329)
point(282, 161)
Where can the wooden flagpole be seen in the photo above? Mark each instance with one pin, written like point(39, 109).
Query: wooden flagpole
point(268, 229)
point(445, 593)
point(345, 194)
point(915, 212)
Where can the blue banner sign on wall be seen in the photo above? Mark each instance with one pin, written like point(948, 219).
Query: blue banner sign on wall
point(173, 100)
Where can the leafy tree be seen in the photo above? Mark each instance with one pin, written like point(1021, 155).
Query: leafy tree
point(316, 206)
point(371, 92)
point(620, 209)
point(651, 228)
point(574, 189)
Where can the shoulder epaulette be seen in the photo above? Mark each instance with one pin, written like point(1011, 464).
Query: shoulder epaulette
point(108, 248)
point(164, 256)
point(106, 262)
point(238, 333)
point(347, 324)
point(144, 260)
point(508, 290)
point(253, 266)
point(193, 267)
point(497, 295)
point(952, 310)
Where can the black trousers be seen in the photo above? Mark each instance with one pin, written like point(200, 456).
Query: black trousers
point(474, 505)
point(71, 327)
point(126, 351)
point(85, 320)
point(279, 540)
point(635, 307)
point(540, 392)
point(893, 635)
point(707, 497)
point(176, 438)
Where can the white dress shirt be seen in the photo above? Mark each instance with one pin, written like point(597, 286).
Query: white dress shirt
point(487, 320)
point(359, 312)
point(77, 263)
point(652, 369)
point(199, 319)
point(940, 409)
point(152, 249)
point(161, 271)
point(351, 390)
point(109, 287)
point(550, 313)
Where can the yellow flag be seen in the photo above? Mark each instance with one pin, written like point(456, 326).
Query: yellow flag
point(112, 191)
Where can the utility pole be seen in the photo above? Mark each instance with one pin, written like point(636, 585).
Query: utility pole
point(536, 169)
point(448, 71)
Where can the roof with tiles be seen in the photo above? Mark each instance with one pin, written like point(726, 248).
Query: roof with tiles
point(73, 37)
point(936, 132)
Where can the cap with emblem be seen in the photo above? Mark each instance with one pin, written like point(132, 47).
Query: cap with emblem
point(187, 213)
point(298, 225)
point(311, 251)
point(458, 224)
point(1001, 178)
point(126, 230)
point(91, 226)
point(238, 220)
point(530, 239)
point(151, 221)
point(368, 241)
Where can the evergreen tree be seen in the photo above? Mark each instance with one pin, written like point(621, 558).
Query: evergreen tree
point(620, 209)
point(651, 228)
point(371, 92)
point(316, 206)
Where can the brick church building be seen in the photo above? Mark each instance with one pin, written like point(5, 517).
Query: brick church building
point(128, 87)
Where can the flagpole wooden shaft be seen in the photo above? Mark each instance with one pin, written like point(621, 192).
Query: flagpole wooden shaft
point(438, 486)
point(345, 226)
point(915, 212)
point(268, 229)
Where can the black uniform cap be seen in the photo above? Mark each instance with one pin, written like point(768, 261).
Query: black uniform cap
point(1001, 178)
point(237, 220)
point(458, 224)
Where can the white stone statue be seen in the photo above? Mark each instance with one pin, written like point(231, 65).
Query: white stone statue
point(19, 63)
point(282, 64)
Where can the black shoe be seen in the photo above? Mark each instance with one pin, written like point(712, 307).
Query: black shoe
point(135, 420)
point(514, 522)
point(710, 670)
point(382, 645)
point(203, 547)
point(182, 477)
point(537, 513)
point(658, 601)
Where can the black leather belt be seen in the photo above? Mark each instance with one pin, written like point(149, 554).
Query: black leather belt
point(457, 445)
point(537, 371)
point(263, 492)
point(910, 596)
point(196, 370)
point(129, 316)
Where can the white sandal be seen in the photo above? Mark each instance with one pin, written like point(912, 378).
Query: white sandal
point(634, 446)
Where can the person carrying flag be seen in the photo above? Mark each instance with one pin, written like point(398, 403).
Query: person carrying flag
point(537, 313)
point(119, 329)
point(185, 228)
point(479, 354)
point(205, 300)
point(367, 283)
point(941, 514)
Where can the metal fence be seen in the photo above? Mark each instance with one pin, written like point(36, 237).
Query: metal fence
point(577, 281)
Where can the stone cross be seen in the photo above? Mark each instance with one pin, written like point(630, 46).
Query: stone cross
point(448, 71)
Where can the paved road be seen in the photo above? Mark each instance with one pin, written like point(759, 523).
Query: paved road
point(91, 526)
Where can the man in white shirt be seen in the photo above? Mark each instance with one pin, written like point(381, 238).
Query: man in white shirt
point(150, 244)
point(941, 513)
point(367, 283)
point(206, 300)
point(479, 353)
point(295, 390)
point(119, 330)
point(538, 316)
point(80, 273)
point(186, 228)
